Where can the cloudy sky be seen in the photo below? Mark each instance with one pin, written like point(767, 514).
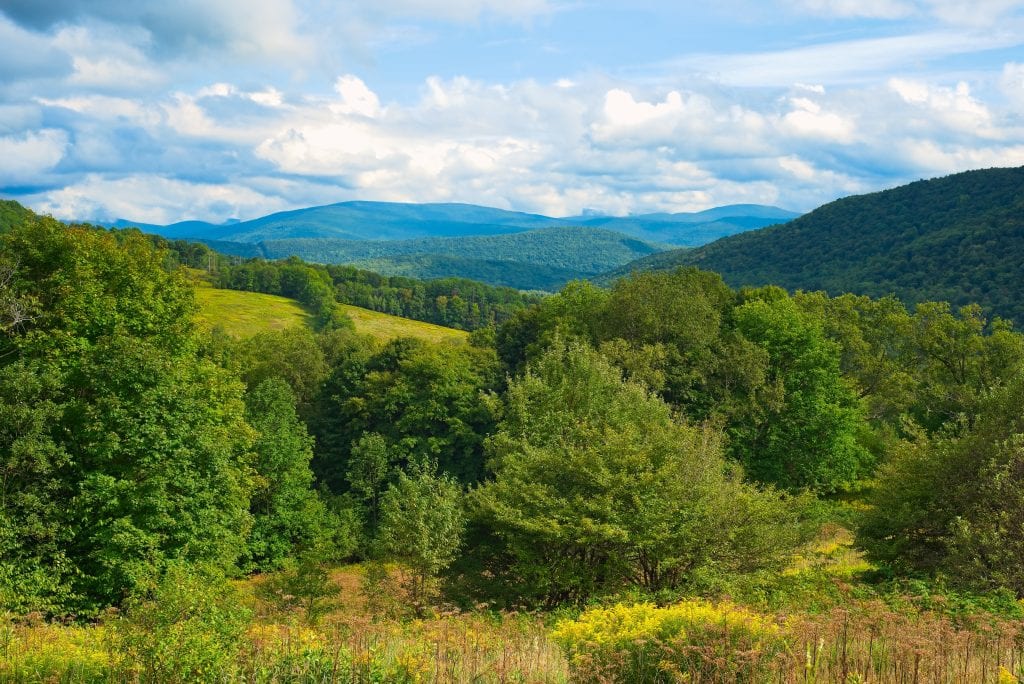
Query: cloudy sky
point(159, 111)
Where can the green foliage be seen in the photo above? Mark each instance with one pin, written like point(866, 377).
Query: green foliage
point(293, 355)
point(124, 449)
point(951, 503)
point(369, 470)
point(424, 400)
point(596, 485)
point(955, 239)
point(421, 526)
point(12, 214)
point(286, 512)
point(805, 435)
point(186, 628)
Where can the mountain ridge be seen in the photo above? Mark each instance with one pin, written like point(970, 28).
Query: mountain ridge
point(957, 238)
point(369, 220)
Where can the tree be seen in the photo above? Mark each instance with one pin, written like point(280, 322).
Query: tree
point(421, 526)
point(124, 448)
point(953, 502)
point(287, 513)
point(428, 402)
point(369, 469)
point(806, 432)
point(291, 354)
point(596, 485)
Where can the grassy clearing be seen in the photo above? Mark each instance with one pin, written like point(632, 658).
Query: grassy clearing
point(244, 314)
point(386, 327)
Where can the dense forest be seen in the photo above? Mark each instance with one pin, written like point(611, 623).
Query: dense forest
point(615, 461)
point(958, 239)
point(546, 258)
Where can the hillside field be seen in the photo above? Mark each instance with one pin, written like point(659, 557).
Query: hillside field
point(243, 314)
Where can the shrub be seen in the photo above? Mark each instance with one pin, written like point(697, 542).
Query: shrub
point(644, 643)
point(188, 628)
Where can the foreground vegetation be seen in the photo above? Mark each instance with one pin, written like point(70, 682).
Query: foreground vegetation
point(664, 480)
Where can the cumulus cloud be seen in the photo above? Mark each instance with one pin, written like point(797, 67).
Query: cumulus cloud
point(24, 158)
point(153, 199)
point(253, 28)
point(953, 108)
point(171, 120)
point(807, 119)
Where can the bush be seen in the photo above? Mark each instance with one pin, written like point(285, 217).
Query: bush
point(188, 628)
point(692, 639)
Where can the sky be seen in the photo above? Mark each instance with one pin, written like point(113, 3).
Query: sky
point(159, 111)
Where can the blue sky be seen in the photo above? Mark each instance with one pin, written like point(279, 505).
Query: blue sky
point(213, 109)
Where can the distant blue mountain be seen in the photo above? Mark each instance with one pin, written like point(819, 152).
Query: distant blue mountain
point(396, 221)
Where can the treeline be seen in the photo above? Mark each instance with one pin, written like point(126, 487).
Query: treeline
point(452, 302)
point(669, 436)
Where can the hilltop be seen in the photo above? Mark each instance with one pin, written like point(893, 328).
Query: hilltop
point(959, 238)
point(400, 221)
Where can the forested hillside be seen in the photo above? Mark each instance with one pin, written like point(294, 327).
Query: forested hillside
point(397, 221)
point(667, 476)
point(538, 259)
point(958, 239)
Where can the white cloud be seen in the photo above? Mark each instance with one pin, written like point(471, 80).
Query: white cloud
point(153, 199)
point(933, 158)
point(879, 9)
point(24, 157)
point(953, 107)
point(807, 119)
point(356, 98)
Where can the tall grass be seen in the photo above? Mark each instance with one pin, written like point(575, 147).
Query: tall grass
point(865, 641)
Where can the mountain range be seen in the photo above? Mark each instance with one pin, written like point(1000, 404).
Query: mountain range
point(516, 249)
point(398, 221)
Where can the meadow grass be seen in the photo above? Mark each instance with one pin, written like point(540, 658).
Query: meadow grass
point(386, 327)
point(697, 640)
point(243, 314)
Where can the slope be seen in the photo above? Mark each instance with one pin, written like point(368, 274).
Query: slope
point(959, 239)
point(397, 221)
point(244, 314)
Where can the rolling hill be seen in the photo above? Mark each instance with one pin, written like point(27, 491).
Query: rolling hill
point(543, 259)
point(959, 239)
point(397, 221)
point(515, 249)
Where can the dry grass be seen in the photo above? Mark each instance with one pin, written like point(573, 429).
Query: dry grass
point(862, 641)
